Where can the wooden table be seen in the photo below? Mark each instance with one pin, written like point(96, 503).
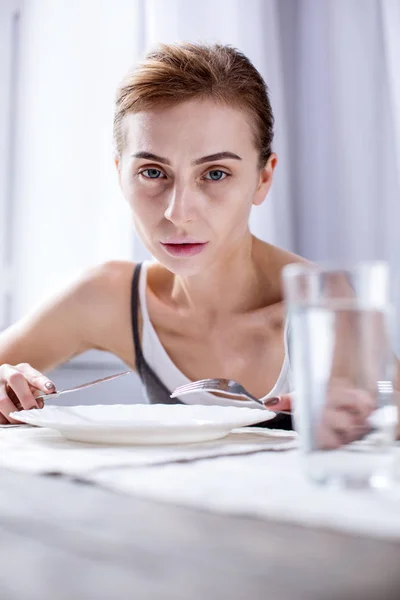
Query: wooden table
point(61, 539)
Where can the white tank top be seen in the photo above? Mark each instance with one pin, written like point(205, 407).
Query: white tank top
point(157, 358)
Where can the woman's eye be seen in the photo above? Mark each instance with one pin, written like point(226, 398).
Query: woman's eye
point(152, 174)
point(216, 175)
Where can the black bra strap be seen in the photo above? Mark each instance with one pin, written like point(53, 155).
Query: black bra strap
point(134, 317)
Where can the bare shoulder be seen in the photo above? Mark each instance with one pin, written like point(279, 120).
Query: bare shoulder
point(280, 257)
point(100, 288)
point(102, 296)
point(103, 282)
point(272, 260)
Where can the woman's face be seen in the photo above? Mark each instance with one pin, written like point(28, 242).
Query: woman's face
point(191, 173)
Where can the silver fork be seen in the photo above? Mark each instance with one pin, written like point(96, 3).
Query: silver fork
point(227, 387)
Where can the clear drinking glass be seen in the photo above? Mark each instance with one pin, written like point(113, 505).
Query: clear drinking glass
point(343, 371)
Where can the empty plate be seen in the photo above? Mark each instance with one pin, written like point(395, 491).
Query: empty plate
point(143, 423)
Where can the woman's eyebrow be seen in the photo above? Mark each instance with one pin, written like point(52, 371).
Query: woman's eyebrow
point(151, 156)
point(198, 161)
point(215, 157)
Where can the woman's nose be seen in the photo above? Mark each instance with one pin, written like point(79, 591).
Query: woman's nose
point(181, 206)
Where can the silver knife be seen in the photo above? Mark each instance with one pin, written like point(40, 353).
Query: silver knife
point(82, 386)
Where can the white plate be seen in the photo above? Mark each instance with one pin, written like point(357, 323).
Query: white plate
point(143, 423)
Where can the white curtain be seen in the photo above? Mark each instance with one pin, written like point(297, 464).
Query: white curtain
point(343, 95)
point(8, 62)
point(69, 212)
point(390, 15)
point(332, 68)
point(344, 117)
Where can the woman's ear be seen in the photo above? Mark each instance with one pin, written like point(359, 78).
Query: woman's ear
point(265, 181)
point(117, 163)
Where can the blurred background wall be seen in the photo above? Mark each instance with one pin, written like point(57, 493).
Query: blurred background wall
point(333, 69)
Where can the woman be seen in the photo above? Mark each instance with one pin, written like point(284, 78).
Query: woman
point(193, 135)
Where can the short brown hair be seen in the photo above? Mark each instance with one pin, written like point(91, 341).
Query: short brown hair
point(174, 73)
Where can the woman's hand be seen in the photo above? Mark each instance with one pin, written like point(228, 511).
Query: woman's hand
point(19, 386)
point(343, 419)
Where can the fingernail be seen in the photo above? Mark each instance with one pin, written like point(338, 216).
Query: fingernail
point(40, 403)
point(49, 385)
point(271, 401)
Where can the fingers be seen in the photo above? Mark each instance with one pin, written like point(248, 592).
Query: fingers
point(3, 420)
point(358, 402)
point(283, 402)
point(36, 379)
point(339, 427)
point(344, 417)
point(19, 386)
point(6, 407)
point(18, 383)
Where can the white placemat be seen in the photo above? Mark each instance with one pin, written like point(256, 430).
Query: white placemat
point(43, 450)
point(265, 485)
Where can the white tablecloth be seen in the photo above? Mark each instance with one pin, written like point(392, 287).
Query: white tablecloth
point(242, 474)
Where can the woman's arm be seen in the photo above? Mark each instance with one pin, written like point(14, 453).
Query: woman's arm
point(84, 315)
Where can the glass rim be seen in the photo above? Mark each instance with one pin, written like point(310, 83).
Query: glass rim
point(309, 268)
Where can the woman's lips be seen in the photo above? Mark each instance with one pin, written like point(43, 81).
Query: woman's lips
point(184, 249)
